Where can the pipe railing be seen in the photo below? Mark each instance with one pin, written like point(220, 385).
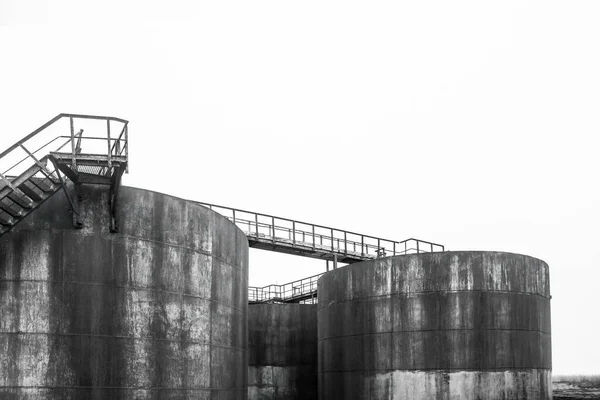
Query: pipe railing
point(287, 232)
point(303, 290)
point(43, 139)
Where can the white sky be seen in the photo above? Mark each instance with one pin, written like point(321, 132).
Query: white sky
point(473, 124)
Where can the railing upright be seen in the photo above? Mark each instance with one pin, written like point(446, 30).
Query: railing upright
point(273, 225)
point(108, 134)
point(332, 239)
point(73, 162)
point(126, 146)
point(345, 243)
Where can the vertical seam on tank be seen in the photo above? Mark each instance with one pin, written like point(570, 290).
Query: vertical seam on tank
point(63, 288)
point(392, 280)
point(210, 335)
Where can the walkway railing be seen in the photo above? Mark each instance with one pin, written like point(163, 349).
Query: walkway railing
point(60, 134)
point(27, 179)
point(317, 241)
point(300, 291)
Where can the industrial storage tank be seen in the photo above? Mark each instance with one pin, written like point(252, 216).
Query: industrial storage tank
point(157, 310)
point(451, 325)
point(282, 351)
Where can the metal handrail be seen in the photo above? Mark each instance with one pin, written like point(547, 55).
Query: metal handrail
point(285, 292)
point(307, 223)
point(71, 138)
point(331, 239)
point(52, 121)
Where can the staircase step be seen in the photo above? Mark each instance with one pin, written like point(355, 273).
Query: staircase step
point(30, 172)
point(55, 181)
point(32, 194)
point(6, 221)
point(10, 209)
point(43, 184)
point(22, 201)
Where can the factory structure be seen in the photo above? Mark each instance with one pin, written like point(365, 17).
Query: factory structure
point(114, 292)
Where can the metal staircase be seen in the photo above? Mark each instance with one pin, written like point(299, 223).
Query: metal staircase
point(30, 170)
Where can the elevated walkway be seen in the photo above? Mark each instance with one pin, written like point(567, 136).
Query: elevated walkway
point(30, 170)
point(283, 235)
point(39, 165)
point(300, 291)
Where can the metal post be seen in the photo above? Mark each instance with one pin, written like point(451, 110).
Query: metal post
point(256, 220)
point(73, 162)
point(394, 248)
point(345, 243)
point(293, 233)
point(327, 265)
point(109, 152)
point(335, 261)
point(313, 234)
point(362, 245)
point(332, 239)
point(417, 247)
point(234, 217)
point(273, 225)
point(126, 148)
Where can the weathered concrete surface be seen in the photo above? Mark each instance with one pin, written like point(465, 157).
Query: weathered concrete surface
point(453, 325)
point(282, 351)
point(156, 311)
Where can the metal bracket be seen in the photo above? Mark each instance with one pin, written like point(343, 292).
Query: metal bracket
point(74, 203)
point(115, 184)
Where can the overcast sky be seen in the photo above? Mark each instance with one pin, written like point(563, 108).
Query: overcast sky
point(473, 124)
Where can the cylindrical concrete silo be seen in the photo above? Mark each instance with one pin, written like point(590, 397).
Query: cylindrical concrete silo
point(452, 325)
point(282, 352)
point(157, 310)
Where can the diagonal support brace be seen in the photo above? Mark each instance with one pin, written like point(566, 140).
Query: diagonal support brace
point(115, 184)
point(73, 202)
